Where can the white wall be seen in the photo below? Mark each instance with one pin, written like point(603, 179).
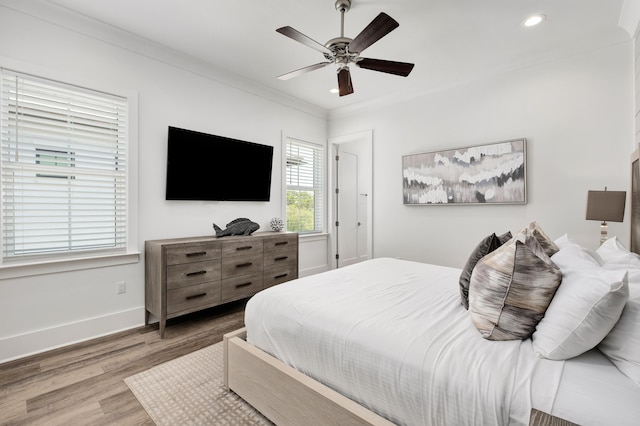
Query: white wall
point(577, 116)
point(44, 311)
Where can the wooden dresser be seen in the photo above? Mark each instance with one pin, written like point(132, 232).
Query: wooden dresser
point(184, 275)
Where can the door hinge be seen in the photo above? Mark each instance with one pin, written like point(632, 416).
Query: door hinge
point(337, 157)
point(337, 256)
point(337, 223)
point(337, 190)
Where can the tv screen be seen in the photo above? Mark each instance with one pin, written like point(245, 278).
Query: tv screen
point(201, 166)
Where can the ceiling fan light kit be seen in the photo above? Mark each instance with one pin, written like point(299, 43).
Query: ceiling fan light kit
point(533, 20)
point(343, 51)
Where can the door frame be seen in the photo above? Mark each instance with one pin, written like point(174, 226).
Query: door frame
point(366, 138)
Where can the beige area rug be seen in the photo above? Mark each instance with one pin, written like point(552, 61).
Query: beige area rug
point(189, 391)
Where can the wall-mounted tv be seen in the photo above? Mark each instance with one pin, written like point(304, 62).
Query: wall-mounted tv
point(201, 166)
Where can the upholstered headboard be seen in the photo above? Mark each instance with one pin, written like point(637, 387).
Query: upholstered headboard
point(635, 202)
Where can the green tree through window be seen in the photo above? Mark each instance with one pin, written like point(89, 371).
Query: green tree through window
point(300, 212)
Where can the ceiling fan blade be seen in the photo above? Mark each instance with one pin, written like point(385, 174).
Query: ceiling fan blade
point(391, 67)
point(344, 82)
point(301, 38)
point(382, 25)
point(301, 71)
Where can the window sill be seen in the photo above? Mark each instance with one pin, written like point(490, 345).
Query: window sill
point(316, 236)
point(66, 265)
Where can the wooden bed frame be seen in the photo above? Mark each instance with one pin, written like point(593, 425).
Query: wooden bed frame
point(288, 397)
point(283, 394)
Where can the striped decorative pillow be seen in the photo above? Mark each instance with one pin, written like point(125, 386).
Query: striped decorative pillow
point(512, 287)
point(548, 245)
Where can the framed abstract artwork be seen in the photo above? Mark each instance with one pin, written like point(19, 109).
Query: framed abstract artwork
point(494, 173)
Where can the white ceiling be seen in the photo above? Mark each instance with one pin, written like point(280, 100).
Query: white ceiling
point(450, 41)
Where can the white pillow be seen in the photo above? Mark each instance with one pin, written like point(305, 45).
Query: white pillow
point(585, 308)
point(580, 256)
point(612, 250)
point(634, 275)
point(617, 257)
point(563, 241)
point(622, 344)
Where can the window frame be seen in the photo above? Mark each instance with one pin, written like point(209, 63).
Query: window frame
point(320, 212)
point(71, 261)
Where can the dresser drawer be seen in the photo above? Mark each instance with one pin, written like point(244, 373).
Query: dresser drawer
point(281, 257)
point(241, 265)
point(281, 274)
point(192, 273)
point(281, 242)
point(244, 247)
point(192, 253)
point(241, 286)
point(193, 297)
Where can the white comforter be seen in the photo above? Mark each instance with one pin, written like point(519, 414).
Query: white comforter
point(393, 336)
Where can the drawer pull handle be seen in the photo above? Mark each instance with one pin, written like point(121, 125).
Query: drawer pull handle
point(282, 258)
point(280, 276)
point(243, 285)
point(195, 296)
point(244, 265)
point(196, 253)
point(191, 274)
point(244, 248)
point(282, 243)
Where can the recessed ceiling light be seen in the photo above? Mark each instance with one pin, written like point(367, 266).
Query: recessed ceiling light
point(334, 90)
point(533, 20)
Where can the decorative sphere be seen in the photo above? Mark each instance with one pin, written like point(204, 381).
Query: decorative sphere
point(277, 224)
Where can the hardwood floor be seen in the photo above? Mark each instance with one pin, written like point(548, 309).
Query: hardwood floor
point(83, 384)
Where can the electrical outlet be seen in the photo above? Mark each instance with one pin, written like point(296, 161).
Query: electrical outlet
point(121, 287)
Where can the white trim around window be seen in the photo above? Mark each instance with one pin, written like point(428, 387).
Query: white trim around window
point(68, 164)
point(304, 175)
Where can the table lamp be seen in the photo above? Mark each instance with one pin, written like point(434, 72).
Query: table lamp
point(606, 206)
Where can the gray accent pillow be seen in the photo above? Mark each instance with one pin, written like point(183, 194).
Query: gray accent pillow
point(484, 247)
point(511, 289)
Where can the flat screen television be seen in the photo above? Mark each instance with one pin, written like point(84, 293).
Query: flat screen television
point(201, 166)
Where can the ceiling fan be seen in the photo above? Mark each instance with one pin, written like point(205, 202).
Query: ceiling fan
point(343, 51)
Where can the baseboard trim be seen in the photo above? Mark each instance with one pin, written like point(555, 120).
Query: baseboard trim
point(313, 271)
point(31, 343)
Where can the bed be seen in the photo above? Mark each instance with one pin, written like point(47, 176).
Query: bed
point(388, 341)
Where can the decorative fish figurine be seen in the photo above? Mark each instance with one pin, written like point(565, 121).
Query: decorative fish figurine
point(239, 226)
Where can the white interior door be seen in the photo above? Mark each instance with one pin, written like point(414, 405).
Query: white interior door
point(352, 231)
point(349, 250)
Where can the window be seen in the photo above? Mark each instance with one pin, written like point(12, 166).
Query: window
point(305, 188)
point(54, 158)
point(63, 169)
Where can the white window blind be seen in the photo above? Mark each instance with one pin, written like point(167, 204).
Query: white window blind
point(305, 187)
point(63, 169)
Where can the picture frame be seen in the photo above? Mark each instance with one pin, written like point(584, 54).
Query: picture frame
point(489, 174)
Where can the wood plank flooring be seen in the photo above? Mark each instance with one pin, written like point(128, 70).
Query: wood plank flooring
point(82, 384)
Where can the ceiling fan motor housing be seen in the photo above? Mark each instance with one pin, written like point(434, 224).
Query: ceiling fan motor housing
point(338, 47)
point(343, 5)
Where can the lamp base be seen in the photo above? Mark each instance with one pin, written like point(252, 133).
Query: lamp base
point(603, 232)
